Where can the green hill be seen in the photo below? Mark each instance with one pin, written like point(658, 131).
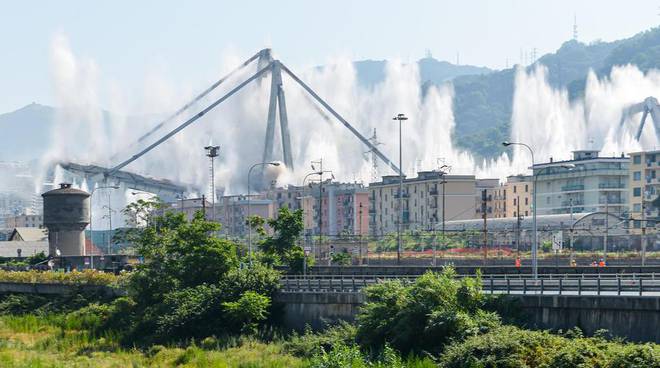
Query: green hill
point(483, 103)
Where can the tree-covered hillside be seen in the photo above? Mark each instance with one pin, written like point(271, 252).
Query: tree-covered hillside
point(483, 103)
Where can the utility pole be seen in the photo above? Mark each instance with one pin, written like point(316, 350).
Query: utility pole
point(360, 223)
point(400, 118)
point(606, 229)
point(109, 225)
point(484, 214)
point(320, 162)
point(572, 256)
point(518, 218)
point(444, 239)
point(643, 233)
point(212, 153)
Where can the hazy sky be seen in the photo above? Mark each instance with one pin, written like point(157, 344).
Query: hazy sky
point(185, 40)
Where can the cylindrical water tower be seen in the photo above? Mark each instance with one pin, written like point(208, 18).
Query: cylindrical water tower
point(66, 214)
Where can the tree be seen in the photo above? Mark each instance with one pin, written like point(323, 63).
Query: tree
point(282, 247)
point(190, 285)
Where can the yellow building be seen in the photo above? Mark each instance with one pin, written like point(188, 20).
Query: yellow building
point(644, 184)
point(514, 197)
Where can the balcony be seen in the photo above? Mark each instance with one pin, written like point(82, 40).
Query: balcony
point(573, 203)
point(611, 201)
point(572, 187)
point(405, 195)
point(372, 210)
point(433, 191)
point(611, 186)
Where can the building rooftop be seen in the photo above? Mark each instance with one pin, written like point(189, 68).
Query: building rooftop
point(421, 176)
point(29, 234)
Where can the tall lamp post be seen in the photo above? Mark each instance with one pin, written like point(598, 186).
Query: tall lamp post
point(535, 244)
point(400, 118)
point(91, 221)
point(272, 163)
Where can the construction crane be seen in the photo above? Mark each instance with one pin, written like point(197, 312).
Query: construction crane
point(648, 106)
point(266, 64)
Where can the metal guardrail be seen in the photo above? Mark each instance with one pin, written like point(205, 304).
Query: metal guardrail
point(557, 284)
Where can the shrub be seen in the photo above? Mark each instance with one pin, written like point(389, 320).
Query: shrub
point(311, 343)
point(85, 277)
point(246, 313)
point(636, 356)
point(505, 347)
point(423, 316)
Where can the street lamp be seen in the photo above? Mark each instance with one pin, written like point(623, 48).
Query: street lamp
point(535, 245)
point(272, 163)
point(400, 118)
point(91, 221)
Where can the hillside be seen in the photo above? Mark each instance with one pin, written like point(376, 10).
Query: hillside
point(483, 103)
point(372, 72)
point(25, 132)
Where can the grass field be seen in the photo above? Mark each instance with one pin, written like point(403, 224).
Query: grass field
point(54, 341)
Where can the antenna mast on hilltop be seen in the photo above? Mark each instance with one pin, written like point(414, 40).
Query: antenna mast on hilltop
point(575, 29)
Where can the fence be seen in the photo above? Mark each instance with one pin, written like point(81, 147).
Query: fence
point(558, 284)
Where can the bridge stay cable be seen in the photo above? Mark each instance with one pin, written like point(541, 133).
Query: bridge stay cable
point(189, 121)
point(193, 101)
point(362, 138)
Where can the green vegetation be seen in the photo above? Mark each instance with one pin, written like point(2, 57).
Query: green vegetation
point(282, 247)
point(425, 315)
point(85, 277)
point(509, 346)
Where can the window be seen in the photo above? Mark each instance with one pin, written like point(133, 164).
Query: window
point(526, 201)
point(637, 159)
point(637, 207)
point(515, 201)
point(637, 176)
point(515, 214)
point(637, 192)
point(526, 214)
point(637, 224)
point(514, 189)
point(526, 188)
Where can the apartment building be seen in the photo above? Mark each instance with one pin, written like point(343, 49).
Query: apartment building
point(514, 197)
point(485, 201)
point(344, 208)
point(587, 183)
point(422, 201)
point(24, 220)
point(644, 184)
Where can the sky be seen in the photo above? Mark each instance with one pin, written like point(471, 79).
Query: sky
point(186, 40)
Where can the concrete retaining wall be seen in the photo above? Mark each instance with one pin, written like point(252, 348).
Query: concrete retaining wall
point(636, 318)
point(318, 309)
